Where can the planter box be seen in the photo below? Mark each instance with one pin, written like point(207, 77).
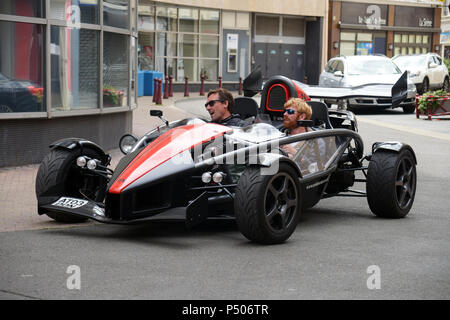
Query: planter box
point(442, 110)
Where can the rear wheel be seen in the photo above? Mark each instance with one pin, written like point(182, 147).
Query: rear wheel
point(391, 183)
point(267, 207)
point(59, 176)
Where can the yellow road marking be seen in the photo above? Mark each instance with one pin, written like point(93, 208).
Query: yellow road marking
point(421, 132)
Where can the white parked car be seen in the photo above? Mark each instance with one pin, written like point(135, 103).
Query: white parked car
point(427, 71)
point(354, 71)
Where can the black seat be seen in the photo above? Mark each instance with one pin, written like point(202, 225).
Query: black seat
point(320, 114)
point(246, 107)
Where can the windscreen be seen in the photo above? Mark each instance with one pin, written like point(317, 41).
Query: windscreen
point(372, 67)
point(409, 62)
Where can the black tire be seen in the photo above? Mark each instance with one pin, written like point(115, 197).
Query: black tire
point(409, 108)
point(58, 176)
point(258, 196)
point(425, 85)
point(445, 85)
point(391, 183)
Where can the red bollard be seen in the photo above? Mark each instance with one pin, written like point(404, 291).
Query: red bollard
point(220, 82)
point(202, 85)
point(240, 86)
point(155, 84)
point(186, 86)
point(170, 86)
point(166, 89)
point(158, 97)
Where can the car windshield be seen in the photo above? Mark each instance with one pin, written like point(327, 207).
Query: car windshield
point(407, 62)
point(372, 67)
point(256, 133)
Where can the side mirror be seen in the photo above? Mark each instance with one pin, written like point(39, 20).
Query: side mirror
point(338, 74)
point(432, 65)
point(159, 114)
point(156, 113)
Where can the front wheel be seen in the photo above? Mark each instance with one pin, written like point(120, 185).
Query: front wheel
point(267, 207)
point(409, 108)
point(59, 176)
point(445, 85)
point(391, 183)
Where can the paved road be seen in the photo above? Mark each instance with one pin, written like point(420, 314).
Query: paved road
point(326, 258)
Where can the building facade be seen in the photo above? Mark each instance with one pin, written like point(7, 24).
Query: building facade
point(384, 27)
point(228, 39)
point(67, 69)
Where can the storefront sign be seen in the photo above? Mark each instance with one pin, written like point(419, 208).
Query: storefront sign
point(232, 41)
point(372, 15)
point(445, 38)
point(424, 22)
point(364, 48)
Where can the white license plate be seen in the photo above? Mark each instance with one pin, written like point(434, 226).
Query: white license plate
point(70, 203)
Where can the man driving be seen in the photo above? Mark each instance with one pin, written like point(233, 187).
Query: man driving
point(219, 104)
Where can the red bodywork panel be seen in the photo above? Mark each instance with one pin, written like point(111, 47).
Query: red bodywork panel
point(166, 146)
point(300, 93)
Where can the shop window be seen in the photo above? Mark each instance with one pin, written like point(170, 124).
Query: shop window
point(187, 68)
point(209, 46)
point(27, 8)
point(146, 23)
point(21, 73)
point(398, 38)
point(166, 19)
point(74, 68)
point(188, 45)
point(167, 65)
point(146, 51)
point(267, 26)
point(115, 13)
point(347, 48)
point(418, 39)
point(188, 20)
point(293, 27)
point(364, 37)
point(73, 12)
point(231, 19)
point(209, 68)
point(350, 36)
point(412, 38)
point(166, 44)
point(133, 71)
point(209, 21)
point(115, 69)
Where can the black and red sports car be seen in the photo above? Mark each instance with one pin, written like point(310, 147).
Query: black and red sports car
point(242, 172)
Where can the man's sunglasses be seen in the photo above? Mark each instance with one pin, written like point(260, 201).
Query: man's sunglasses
point(290, 111)
point(212, 102)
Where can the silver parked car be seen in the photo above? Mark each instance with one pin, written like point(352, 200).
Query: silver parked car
point(426, 71)
point(355, 71)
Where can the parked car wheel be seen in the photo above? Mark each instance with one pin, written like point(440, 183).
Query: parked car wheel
point(445, 85)
point(58, 175)
point(410, 108)
point(267, 207)
point(391, 183)
point(425, 85)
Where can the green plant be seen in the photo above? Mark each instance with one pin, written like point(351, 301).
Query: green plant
point(430, 100)
point(110, 95)
point(447, 64)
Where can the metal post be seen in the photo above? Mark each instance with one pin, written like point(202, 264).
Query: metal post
point(220, 82)
point(186, 86)
point(170, 86)
point(166, 89)
point(202, 85)
point(240, 86)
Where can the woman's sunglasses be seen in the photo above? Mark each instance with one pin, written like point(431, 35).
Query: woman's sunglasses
point(212, 102)
point(290, 111)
